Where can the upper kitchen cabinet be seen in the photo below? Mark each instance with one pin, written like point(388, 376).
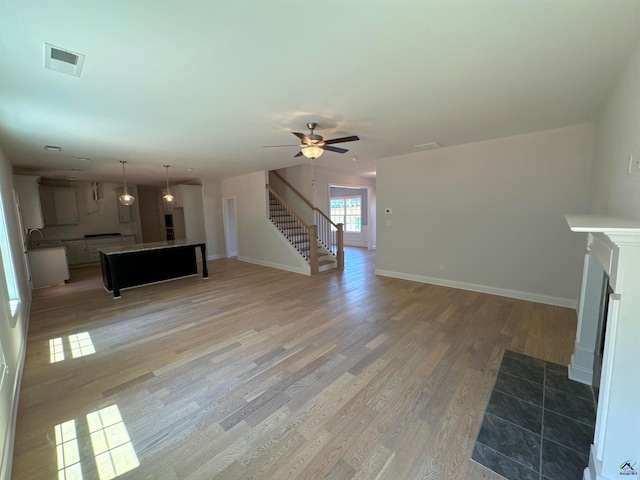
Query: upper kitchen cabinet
point(29, 196)
point(59, 206)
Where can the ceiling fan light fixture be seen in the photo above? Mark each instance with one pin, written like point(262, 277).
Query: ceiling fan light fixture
point(312, 151)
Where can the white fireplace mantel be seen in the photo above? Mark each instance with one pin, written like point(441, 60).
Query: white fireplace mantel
point(613, 247)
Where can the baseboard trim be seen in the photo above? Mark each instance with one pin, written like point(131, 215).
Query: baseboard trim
point(217, 256)
point(473, 287)
point(288, 268)
point(578, 373)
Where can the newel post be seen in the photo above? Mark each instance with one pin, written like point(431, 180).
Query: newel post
point(313, 249)
point(340, 246)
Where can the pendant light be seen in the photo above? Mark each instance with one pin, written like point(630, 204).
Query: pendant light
point(125, 198)
point(167, 196)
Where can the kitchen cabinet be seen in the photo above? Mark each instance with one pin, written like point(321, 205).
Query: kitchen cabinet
point(48, 266)
point(59, 206)
point(81, 252)
point(29, 196)
point(188, 218)
point(77, 252)
point(124, 211)
point(94, 244)
point(71, 253)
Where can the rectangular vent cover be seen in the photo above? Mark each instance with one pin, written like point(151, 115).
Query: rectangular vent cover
point(62, 60)
point(63, 56)
point(428, 146)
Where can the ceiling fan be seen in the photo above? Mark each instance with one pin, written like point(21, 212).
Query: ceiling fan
point(312, 145)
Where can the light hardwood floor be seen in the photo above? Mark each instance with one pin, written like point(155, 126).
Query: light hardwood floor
point(258, 373)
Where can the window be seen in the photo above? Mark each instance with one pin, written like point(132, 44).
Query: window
point(347, 210)
point(8, 265)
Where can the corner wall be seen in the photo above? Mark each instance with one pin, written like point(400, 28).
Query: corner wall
point(614, 191)
point(213, 224)
point(13, 330)
point(490, 213)
point(258, 239)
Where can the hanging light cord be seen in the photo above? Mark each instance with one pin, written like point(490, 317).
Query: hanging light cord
point(125, 198)
point(124, 176)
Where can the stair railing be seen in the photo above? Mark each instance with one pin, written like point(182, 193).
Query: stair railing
point(329, 234)
point(282, 209)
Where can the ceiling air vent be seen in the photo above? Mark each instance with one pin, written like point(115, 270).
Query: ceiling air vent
point(428, 146)
point(62, 60)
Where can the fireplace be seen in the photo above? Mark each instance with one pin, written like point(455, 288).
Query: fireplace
point(607, 347)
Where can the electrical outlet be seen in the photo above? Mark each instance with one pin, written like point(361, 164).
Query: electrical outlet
point(442, 267)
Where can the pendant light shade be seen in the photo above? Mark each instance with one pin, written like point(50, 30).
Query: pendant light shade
point(125, 198)
point(167, 196)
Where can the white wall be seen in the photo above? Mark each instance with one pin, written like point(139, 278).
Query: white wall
point(324, 178)
point(491, 212)
point(301, 177)
point(258, 239)
point(213, 224)
point(614, 191)
point(100, 216)
point(12, 329)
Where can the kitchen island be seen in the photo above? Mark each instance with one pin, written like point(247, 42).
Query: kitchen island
point(126, 266)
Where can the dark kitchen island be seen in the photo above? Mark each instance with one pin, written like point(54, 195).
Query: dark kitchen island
point(126, 266)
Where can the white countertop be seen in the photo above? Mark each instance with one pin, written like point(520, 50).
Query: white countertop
point(602, 223)
point(140, 247)
point(39, 249)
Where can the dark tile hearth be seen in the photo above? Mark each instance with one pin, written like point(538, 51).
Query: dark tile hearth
point(538, 424)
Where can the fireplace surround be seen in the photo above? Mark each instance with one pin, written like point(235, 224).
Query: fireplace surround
point(613, 249)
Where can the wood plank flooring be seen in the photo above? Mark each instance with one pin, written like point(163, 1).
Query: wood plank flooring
point(258, 373)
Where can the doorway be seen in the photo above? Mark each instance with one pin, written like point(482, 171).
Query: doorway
point(355, 207)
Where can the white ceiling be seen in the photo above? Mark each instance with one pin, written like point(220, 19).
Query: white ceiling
point(205, 84)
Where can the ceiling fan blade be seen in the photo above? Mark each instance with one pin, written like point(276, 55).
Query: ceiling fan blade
point(302, 137)
point(335, 149)
point(352, 138)
point(299, 154)
point(272, 146)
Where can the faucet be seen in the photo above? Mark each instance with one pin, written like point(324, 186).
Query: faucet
point(30, 231)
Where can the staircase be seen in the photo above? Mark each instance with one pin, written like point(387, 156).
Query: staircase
point(300, 236)
point(320, 243)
